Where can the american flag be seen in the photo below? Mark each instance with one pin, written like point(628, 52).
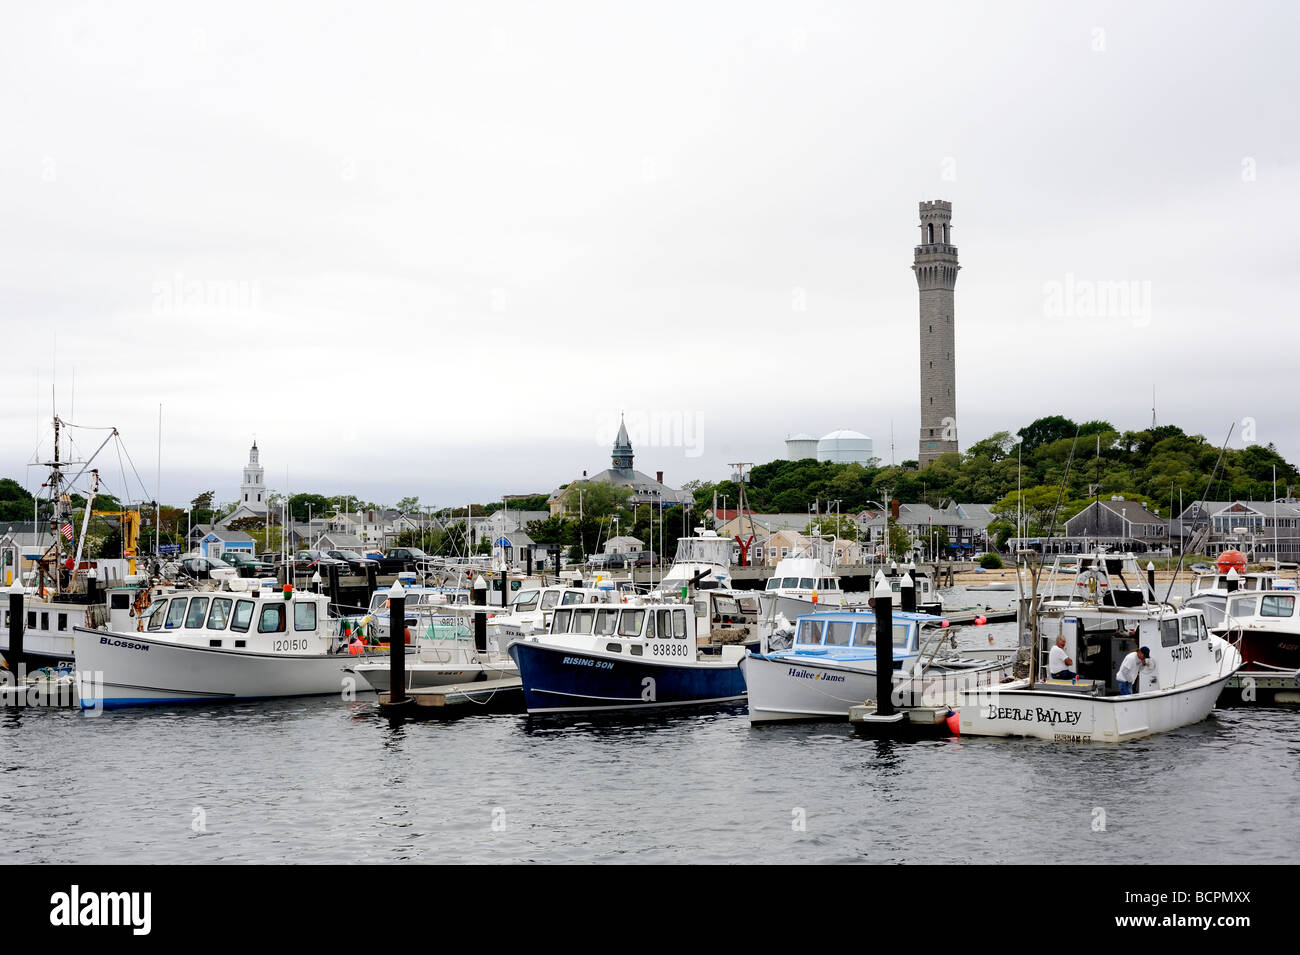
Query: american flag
point(66, 530)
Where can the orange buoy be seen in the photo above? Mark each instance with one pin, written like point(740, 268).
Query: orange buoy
point(954, 724)
point(408, 634)
point(1230, 559)
point(356, 647)
point(981, 620)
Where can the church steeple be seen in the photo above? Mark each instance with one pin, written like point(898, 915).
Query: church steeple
point(622, 447)
point(252, 493)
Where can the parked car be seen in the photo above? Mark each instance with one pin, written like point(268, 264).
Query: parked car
point(401, 559)
point(607, 561)
point(201, 568)
point(646, 558)
point(305, 560)
point(357, 564)
point(249, 566)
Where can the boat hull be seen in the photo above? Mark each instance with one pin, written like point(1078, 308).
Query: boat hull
point(564, 680)
point(116, 670)
point(1061, 716)
point(1267, 649)
point(785, 688)
point(424, 675)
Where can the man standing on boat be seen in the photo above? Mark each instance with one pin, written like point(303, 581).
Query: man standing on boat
point(1058, 664)
point(1128, 670)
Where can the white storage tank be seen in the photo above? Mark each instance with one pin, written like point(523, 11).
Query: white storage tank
point(844, 447)
point(800, 446)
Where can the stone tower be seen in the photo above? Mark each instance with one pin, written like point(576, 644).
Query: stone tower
point(935, 265)
point(252, 493)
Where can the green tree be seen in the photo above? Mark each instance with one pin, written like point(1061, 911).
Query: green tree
point(1044, 431)
point(317, 505)
point(407, 505)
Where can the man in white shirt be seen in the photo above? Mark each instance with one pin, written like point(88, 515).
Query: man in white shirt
point(1058, 664)
point(1128, 670)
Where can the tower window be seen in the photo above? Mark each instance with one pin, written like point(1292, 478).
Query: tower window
point(930, 229)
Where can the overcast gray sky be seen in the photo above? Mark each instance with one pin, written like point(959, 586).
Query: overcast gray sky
point(434, 248)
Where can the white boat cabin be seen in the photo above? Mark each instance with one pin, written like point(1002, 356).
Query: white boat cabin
point(657, 631)
point(260, 620)
point(801, 576)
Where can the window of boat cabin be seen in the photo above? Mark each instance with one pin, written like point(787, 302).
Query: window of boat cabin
point(810, 633)
point(176, 612)
point(550, 599)
point(1169, 633)
point(31, 620)
point(838, 632)
point(304, 615)
point(220, 614)
point(198, 610)
point(773, 583)
point(1242, 606)
point(526, 600)
point(606, 622)
point(672, 623)
point(749, 604)
point(560, 622)
point(271, 619)
point(62, 621)
point(45, 621)
point(1274, 605)
point(1191, 629)
point(629, 623)
point(864, 634)
point(242, 618)
point(155, 615)
point(807, 583)
point(790, 583)
point(572, 597)
point(583, 620)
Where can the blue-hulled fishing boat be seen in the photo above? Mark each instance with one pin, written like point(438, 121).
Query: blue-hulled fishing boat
point(610, 657)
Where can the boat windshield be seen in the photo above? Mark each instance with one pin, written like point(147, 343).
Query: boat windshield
point(526, 600)
point(865, 634)
point(1242, 606)
point(704, 550)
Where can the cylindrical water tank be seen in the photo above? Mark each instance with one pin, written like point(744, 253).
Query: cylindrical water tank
point(844, 447)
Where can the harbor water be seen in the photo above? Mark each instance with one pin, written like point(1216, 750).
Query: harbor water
point(322, 780)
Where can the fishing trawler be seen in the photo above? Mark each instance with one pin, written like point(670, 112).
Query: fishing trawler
point(1106, 612)
point(614, 657)
point(237, 641)
point(63, 592)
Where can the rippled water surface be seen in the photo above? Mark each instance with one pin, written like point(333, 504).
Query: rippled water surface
point(321, 780)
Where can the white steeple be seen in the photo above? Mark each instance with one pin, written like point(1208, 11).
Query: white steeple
point(252, 493)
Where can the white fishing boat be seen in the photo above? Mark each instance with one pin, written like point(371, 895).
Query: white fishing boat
point(703, 562)
point(1108, 613)
point(831, 667)
point(801, 585)
point(1211, 589)
point(530, 611)
point(238, 642)
point(441, 651)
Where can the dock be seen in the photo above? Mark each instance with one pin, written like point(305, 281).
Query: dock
point(504, 695)
point(1261, 686)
